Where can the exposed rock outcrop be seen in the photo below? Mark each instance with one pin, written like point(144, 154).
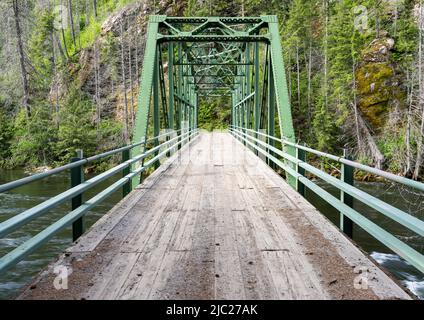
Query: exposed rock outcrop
point(128, 27)
point(379, 84)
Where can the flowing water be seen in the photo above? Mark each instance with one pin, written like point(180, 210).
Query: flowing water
point(401, 197)
point(27, 196)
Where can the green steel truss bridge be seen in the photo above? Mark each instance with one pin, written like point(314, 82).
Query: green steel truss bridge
point(213, 219)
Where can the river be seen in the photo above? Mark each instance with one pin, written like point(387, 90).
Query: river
point(27, 196)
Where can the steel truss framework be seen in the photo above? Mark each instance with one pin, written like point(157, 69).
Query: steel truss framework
point(186, 58)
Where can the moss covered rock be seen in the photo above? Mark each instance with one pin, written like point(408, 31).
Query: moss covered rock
point(378, 83)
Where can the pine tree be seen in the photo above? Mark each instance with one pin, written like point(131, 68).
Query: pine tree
point(297, 44)
point(76, 130)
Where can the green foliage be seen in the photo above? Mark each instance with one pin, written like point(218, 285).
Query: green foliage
point(405, 32)
point(342, 47)
point(91, 31)
point(86, 37)
point(41, 51)
point(324, 128)
point(109, 134)
point(76, 129)
point(6, 134)
point(214, 113)
point(34, 136)
point(298, 40)
point(393, 148)
point(224, 8)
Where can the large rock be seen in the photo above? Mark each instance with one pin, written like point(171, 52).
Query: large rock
point(378, 83)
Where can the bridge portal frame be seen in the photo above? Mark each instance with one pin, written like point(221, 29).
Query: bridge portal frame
point(239, 57)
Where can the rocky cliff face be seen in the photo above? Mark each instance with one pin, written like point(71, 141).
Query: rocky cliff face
point(379, 83)
point(119, 49)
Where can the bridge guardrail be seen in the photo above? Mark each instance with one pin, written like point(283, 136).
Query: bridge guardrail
point(17, 183)
point(21, 219)
point(412, 223)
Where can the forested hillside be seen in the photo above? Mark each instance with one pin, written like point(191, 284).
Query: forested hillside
point(70, 70)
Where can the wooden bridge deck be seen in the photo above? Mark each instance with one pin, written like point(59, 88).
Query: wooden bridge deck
point(214, 222)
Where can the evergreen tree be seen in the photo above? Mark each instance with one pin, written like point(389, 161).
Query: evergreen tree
point(297, 43)
point(6, 134)
point(76, 130)
point(40, 49)
point(34, 137)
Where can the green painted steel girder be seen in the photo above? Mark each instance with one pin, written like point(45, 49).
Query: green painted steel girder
point(214, 64)
point(214, 56)
point(281, 91)
point(214, 38)
point(228, 20)
point(146, 83)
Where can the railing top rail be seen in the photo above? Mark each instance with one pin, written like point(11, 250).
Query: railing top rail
point(35, 177)
point(387, 175)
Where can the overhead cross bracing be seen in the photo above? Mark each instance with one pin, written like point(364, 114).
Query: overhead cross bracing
point(188, 58)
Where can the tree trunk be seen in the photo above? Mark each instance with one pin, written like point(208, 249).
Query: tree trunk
point(55, 105)
point(65, 47)
point(59, 46)
point(420, 148)
point(326, 55)
point(53, 70)
point(396, 18)
point(96, 84)
point(408, 167)
point(355, 108)
point(78, 27)
point(130, 66)
point(62, 29)
point(24, 73)
point(87, 13)
point(71, 22)
point(95, 8)
point(124, 80)
point(298, 75)
point(290, 78)
point(136, 57)
point(310, 88)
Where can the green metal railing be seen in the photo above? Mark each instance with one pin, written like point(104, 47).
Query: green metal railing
point(79, 208)
point(297, 166)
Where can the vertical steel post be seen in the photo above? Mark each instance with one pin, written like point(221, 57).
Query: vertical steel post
point(196, 118)
point(257, 111)
point(142, 119)
point(233, 109)
point(126, 188)
point(156, 115)
point(237, 99)
point(244, 104)
point(179, 92)
point(281, 91)
point(171, 85)
point(248, 87)
point(77, 177)
point(300, 155)
point(271, 107)
point(171, 112)
point(347, 176)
